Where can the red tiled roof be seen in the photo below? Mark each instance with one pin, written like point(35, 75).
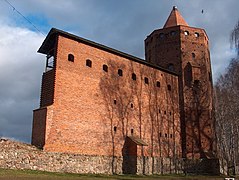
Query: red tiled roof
point(175, 19)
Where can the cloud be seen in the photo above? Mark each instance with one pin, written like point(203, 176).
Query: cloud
point(20, 76)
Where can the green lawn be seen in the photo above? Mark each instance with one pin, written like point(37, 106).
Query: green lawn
point(6, 174)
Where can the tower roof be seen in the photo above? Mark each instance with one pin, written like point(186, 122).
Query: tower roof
point(175, 19)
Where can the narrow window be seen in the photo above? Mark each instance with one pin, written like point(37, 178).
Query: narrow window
point(132, 131)
point(132, 105)
point(115, 101)
point(166, 135)
point(193, 55)
point(146, 80)
point(171, 136)
point(120, 72)
point(196, 83)
point(134, 76)
point(172, 33)
point(164, 112)
point(105, 68)
point(171, 67)
point(161, 35)
point(115, 128)
point(88, 63)
point(159, 111)
point(186, 33)
point(196, 34)
point(169, 87)
point(210, 76)
point(71, 57)
point(160, 134)
point(158, 83)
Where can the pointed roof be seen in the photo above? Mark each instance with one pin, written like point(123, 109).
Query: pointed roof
point(175, 19)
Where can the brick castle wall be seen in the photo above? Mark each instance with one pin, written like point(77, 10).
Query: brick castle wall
point(94, 110)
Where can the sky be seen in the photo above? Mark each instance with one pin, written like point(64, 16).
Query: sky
point(122, 25)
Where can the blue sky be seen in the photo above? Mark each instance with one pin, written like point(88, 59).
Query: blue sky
point(122, 25)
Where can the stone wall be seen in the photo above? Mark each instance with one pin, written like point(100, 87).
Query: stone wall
point(16, 155)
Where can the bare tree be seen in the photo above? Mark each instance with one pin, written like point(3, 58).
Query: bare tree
point(234, 38)
point(227, 108)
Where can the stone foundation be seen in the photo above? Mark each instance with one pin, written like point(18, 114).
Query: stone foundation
point(16, 155)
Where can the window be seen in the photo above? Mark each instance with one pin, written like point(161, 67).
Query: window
point(132, 131)
point(166, 135)
point(161, 35)
point(120, 72)
point(171, 136)
point(196, 34)
point(193, 55)
point(146, 80)
point(49, 62)
point(71, 57)
point(171, 67)
point(186, 33)
point(169, 87)
point(115, 128)
point(88, 63)
point(159, 111)
point(134, 76)
point(196, 83)
point(172, 33)
point(210, 76)
point(158, 84)
point(132, 105)
point(105, 68)
point(160, 134)
point(170, 113)
point(114, 101)
point(164, 112)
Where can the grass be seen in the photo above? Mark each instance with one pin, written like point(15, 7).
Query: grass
point(7, 174)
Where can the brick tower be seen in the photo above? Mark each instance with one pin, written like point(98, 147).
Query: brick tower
point(185, 50)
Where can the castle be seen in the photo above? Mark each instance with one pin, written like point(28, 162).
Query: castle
point(98, 101)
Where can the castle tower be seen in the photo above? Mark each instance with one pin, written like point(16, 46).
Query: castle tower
point(185, 51)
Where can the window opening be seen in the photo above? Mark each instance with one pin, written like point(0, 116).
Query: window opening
point(105, 68)
point(166, 135)
point(120, 72)
point(158, 83)
point(88, 63)
point(50, 60)
point(146, 80)
point(115, 128)
point(172, 33)
point(186, 33)
point(114, 101)
point(132, 131)
point(71, 57)
point(132, 105)
point(169, 87)
point(134, 76)
point(171, 67)
point(196, 34)
point(210, 76)
point(196, 83)
point(161, 35)
point(193, 55)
